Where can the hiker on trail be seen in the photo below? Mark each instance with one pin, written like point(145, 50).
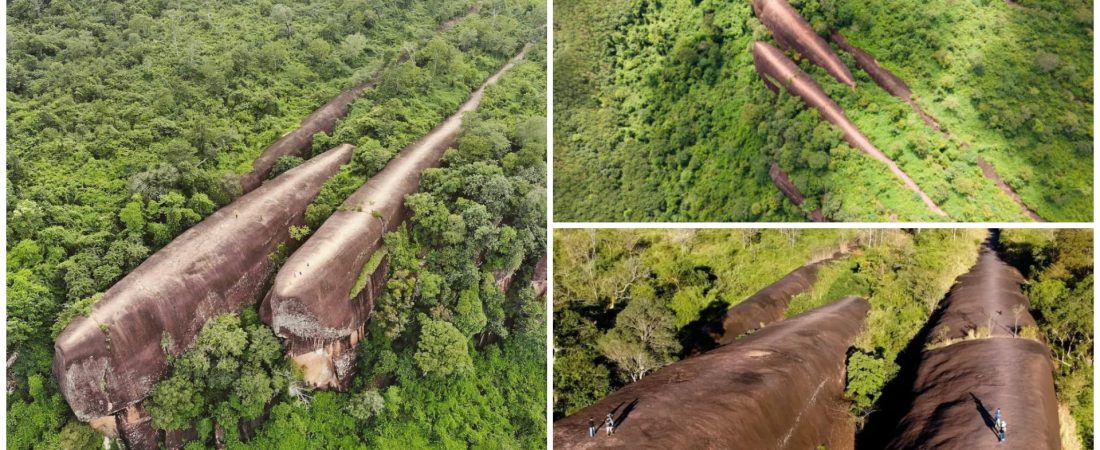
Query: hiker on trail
point(591, 428)
point(610, 421)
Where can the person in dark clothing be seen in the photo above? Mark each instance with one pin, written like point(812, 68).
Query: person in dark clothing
point(591, 428)
point(999, 425)
point(610, 422)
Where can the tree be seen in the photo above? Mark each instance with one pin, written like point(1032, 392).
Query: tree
point(649, 322)
point(233, 369)
point(469, 316)
point(642, 339)
point(866, 378)
point(366, 404)
point(442, 349)
point(370, 156)
point(132, 217)
point(176, 403)
point(284, 164)
point(352, 46)
point(437, 55)
point(634, 361)
point(285, 16)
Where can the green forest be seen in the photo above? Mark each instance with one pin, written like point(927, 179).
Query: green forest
point(660, 115)
point(609, 283)
point(131, 121)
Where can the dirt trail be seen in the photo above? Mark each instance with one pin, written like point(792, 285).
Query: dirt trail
point(299, 141)
point(781, 388)
point(776, 69)
point(958, 387)
point(783, 182)
point(310, 304)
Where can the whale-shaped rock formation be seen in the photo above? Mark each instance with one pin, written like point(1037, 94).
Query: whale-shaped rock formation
point(959, 384)
point(882, 77)
point(311, 304)
point(776, 69)
point(300, 140)
point(107, 362)
point(791, 30)
point(769, 304)
point(783, 182)
point(781, 388)
point(323, 120)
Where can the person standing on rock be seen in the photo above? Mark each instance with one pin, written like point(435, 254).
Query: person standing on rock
point(610, 422)
point(591, 428)
point(999, 425)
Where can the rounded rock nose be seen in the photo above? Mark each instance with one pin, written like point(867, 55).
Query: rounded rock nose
point(285, 288)
point(763, 47)
point(80, 365)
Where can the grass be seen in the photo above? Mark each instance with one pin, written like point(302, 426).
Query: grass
point(368, 269)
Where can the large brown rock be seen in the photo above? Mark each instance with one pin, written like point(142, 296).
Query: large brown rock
point(110, 360)
point(311, 304)
point(538, 281)
point(781, 388)
point(960, 383)
point(988, 297)
point(791, 30)
point(960, 386)
point(769, 304)
point(300, 140)
point(783, 182)
point(777, 69)
point(884, 78)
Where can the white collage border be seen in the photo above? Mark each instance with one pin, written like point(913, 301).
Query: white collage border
point(552, 224)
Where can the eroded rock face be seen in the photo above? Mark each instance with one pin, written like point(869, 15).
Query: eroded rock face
point(311, 304)
point(959, 385)
point(110, 360)
point(792, 31)
point(538, 282)
point(136, 428)
point(781, 388)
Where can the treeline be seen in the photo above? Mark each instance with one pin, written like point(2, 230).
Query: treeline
point(1058, 265)
point(904, 277)
point(661, 116)
point(130, 121)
